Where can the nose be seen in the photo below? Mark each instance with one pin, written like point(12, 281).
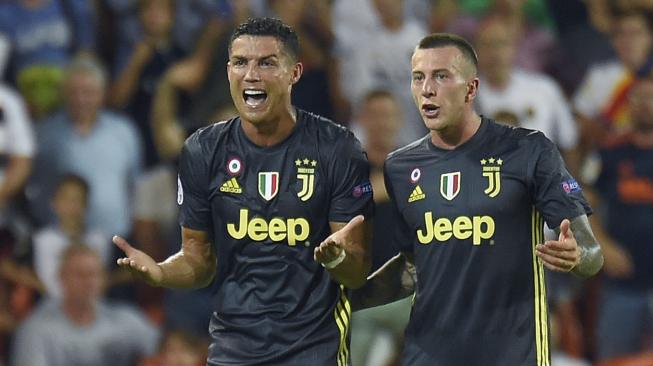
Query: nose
point(428, 88)
point(252, 72)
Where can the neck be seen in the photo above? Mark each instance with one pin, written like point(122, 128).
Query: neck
point(71, 227)
point(454, 136)
point(78, 313)
point(84, 123)
point(270, 133)
point(393, 24)
point(498, 79)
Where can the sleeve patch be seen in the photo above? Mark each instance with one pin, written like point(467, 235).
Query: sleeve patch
point(362, 189)
point(571, 186)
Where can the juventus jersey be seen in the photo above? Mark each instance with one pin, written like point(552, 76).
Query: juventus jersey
point(472, 216)
point(266, 209)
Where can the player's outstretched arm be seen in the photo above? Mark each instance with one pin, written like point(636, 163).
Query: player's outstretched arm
point(576, 249)
point(345, 252)
point(394, 281)
point(192, 267)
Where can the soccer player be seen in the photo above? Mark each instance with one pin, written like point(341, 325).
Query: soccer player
point(259, 193)
point(470, 203)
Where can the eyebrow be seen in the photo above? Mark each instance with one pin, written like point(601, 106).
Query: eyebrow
point(273, 55)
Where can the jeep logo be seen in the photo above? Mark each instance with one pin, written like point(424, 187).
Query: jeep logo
point(462, 227)
point(278, 229)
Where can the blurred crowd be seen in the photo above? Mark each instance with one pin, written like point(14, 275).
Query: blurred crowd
point(98, 96)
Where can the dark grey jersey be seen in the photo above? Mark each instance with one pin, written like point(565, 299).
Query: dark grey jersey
point(267, 209)
point(472, 216)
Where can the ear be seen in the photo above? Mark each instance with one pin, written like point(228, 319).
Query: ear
point(297, 71)
point(472, 88)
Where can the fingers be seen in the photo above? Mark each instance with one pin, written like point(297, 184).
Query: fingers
point(123, 245)
point(326, 251)
point(131, 265)
point(353, 223)
point(555, 263)
point(555, 259)
point(560, 245)
point(565, 230)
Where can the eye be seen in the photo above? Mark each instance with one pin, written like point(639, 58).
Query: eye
point(441, 76)
point(418, 77)
point(238, 62)
point(268, 63)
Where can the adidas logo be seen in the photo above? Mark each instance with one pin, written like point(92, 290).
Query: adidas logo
point(416, 195)
point(231, 186)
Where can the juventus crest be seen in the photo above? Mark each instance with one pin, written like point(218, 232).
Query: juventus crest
point(306, 175)
point(492, 171)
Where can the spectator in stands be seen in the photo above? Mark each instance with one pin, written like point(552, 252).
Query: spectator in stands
point(624, 208)
point(377, 333)
point(82, 329)
point(44, 34)
point(140, 66)
point(70, 205)
point(516, 96)
point(85, 139)
point(601, 100)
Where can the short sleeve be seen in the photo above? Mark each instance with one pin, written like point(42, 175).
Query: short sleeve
point(349, 174)
point(401, 237)
point(192, 187)
point(557, 194)
point(21, 135)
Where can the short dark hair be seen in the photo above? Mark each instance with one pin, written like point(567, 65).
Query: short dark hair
point(438, 40)
point(71, 178)
point(269, 27)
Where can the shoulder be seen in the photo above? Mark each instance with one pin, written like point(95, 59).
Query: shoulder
point(46, 234)
point(326, 129)
point(209, 136)
point(46, 312)
point(524, 138)
point(122, 314)
point(117, 122)
point(406, 153)
point(8, 96)
point(610, 67)
point(328, 135)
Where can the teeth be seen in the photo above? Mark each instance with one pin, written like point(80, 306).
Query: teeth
point(254, 92)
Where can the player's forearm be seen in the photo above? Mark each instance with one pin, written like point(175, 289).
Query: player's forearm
point(394, 281)
point(591, 257)
point(353, 270)
point(183, 270)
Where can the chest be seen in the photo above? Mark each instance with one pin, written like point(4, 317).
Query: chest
point(467, 190)
point(291, 183)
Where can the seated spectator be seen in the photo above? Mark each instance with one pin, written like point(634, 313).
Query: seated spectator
point(102, 147)
point(69, 204)
point(44, 34)
point(81, 329)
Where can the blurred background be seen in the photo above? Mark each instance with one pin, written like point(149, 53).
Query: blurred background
point(98, 96)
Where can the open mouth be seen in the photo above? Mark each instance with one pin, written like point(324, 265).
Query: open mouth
point(254, 97)
point(430, 110)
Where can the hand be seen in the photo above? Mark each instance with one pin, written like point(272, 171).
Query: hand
point(560, 255)
point(332, 247)
point(143, 52)
point(138, 263)
point(188, 74)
